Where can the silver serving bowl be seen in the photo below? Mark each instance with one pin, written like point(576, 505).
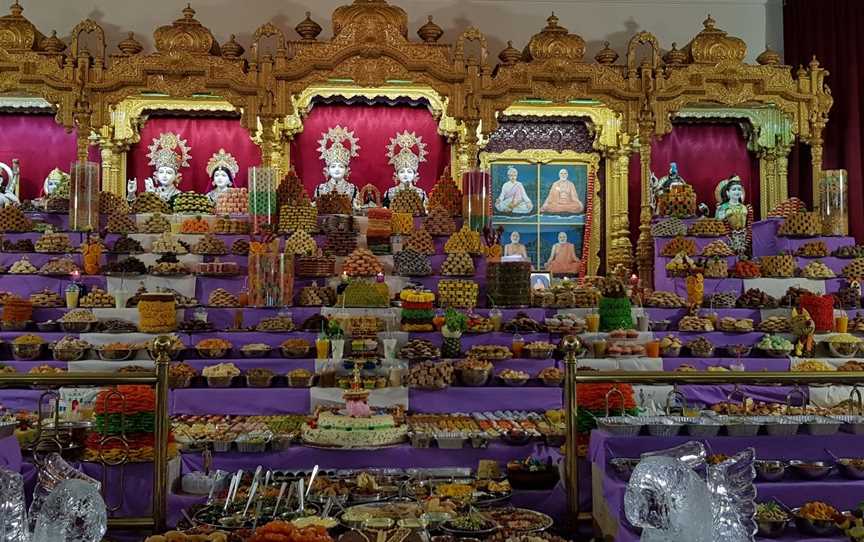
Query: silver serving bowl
point(771, 529)
point(849, 469)
point(815, 527)
point(769, 470)
point(811, 470)
point(704, 427)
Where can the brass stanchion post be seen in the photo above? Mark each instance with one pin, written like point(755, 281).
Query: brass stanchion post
point(161, 346)
point(571, 456)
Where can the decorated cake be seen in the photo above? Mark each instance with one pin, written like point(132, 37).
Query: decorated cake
point(331, 429)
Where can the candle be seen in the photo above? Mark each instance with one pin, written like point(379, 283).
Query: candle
point(379, 277)
point(344, 276)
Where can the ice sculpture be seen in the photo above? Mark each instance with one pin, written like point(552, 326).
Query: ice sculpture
point(53, 470)
point(13, 511)
point(672, 502)
point(74, 512)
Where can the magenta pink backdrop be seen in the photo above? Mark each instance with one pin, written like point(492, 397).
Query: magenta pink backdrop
point(40, 144)
point(373, 125)
point(205, 136)
point(705, 153)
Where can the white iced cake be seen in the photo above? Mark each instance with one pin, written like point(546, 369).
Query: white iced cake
point(344, 431)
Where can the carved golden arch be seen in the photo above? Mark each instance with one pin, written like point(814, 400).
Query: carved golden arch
point(449, 127)
point(127, 118)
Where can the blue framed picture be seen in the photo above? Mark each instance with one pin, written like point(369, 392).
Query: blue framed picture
point(514, 191)
point(563, 191)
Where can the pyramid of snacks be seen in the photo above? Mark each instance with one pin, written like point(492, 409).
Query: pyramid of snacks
point(192, 203)
point(298, 217)
point(196, 224)
point(157, 223)
point(121, 224)
point(421, 242)
point(148, 202)
point(128, 411)
point(362, 263)
point(408, 202)
point(111, 203)
point(411, 263)
point(464, 240)
point(333, 203)
point(447, 196)
point(679, 202)
point(439, 222)
point(401, 223)
point(364, 293)
point(417, 310)
point(232, 201)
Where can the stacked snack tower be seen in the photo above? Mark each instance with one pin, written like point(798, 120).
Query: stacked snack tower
point(263, 207)
point(356, 398)
point(124, 423)
point(271, 274)
point(417, 310)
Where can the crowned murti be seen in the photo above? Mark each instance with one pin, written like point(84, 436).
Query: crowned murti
point(337, 147)
point(168, 154)
point(9, 192)
point(406, 164)
point(222, 168)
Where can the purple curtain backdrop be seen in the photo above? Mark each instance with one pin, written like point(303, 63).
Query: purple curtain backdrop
point(705, 153)
point(832, 32)
point(40, 144)
point(373, 125)
point(205, 136)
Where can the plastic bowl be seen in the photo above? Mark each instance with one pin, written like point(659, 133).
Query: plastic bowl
point(769, 470)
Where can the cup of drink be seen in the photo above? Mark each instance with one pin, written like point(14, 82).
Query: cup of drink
point(495, 317)
point(599, 348)
point(322, 348)
point(518, 345)
point(652, 349)
point(842, 323)
point(642, 322)
point(592, 322)
point(338, 347)
point(72, 293)
point(389, 348)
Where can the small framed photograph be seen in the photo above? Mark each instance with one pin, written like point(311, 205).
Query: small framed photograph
point(541, 281)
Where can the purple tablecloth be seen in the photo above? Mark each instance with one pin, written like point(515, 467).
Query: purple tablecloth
point(10, 454)
point(751, 364)
point(843, 494)
point(239, 401)
point(710, 394)
point(472, 399)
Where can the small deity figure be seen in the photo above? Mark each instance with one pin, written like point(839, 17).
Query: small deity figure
point(222, 168)
point(562, 196)
point(513, 198)
point(563, 257)
point(131, 189)
point(514, 250)
point(665, 184)
point(168, 153)
point(336, 157)
point(56, 183)
point(9, 195)
point(730, 202)
point(406, 164)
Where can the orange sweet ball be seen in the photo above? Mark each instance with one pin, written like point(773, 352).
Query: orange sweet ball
point(195, 225)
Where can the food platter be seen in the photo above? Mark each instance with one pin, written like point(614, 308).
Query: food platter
point(520, 520)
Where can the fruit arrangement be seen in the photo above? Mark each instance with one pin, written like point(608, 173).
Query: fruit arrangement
point(362, 263)
point(802, 224)
point(812, 249)
point(149, 202)
point(746, 269)
point(709, 227)
point(157, 223)
point(121, 224)
point(679, 245)
point(193, 203)
point(778, 266)
point(232, 201)
point(670, 227)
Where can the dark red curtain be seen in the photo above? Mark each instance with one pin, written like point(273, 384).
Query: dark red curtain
point(706, 154)
point(39, 144)
point(205, 136)
point(373, 125)
point(832, 31)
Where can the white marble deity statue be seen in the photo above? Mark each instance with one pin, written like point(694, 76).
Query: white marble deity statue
point(563, 257)
point(168, 154)
point(562, 197)
point(514, 250)
point(9, 193)
point(513, 199)
point(337, 156)
point(406, 165)
point(222, 169)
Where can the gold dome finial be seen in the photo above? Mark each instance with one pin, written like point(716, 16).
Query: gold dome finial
point(768, 57)
point(130, 46)
point(53, 44)
point(675, 56)
point(509, 55)
point(232, 49)
point(555, 42)
point(16, 9)
point(188, 12)
point(307, 28)
point(709, 23)
point(606, 56)
point(713, 45)
point(430, 32)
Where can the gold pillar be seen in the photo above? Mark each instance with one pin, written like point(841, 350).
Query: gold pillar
point(645, 244)
point(618, 246)
point(571, 453)
point(816, 162)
